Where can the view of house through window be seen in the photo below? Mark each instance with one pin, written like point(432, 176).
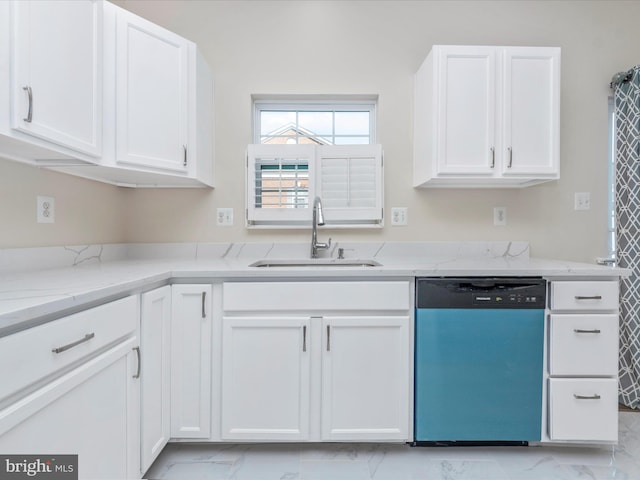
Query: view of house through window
point(281, 185)
point(284, 183)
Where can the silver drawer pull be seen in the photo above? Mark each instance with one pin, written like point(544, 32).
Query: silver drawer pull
point(304, 338)
point(592, 297)
point(137, 350)
point(86, 338)
point(587, 397)
point(29, 116)
point(577, 330)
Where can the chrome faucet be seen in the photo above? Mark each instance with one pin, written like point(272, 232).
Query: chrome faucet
point(317, 219)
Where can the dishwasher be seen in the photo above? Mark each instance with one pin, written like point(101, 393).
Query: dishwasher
point(479, 345)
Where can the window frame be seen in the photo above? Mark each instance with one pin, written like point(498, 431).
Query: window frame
point(611, 201)
point(368, 216)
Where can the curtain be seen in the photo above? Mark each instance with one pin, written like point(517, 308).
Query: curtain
point(626, 87)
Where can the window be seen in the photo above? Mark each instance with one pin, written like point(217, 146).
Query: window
point(306, 148)
point(331, 121)
point(611, 210)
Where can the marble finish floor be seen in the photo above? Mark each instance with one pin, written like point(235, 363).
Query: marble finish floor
point(400, 462)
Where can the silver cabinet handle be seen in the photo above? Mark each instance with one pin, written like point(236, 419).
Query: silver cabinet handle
point(184, 161)
point(493, 157)
point(86, 338)
point(592, 297)
point(577, 330)
point(587, 397)
point(204, 313)
point(510, 157)
point(30, 111)
point(137, 350)
point(328, 338)
point(304, 338)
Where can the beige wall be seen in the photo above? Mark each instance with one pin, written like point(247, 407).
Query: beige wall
point(85, 212)
point(370, 47)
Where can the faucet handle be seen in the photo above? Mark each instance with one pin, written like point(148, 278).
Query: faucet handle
point(324, 246)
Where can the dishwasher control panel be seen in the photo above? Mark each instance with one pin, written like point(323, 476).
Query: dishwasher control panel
point(515, 293)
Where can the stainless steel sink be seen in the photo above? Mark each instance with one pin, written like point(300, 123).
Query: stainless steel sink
point(316, 262)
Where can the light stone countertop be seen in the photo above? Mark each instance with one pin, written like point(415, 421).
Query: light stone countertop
point(40, 284)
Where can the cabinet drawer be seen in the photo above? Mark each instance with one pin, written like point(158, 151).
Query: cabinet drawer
point(316, 296)
point(583, 410)
point(584, 295)
point(584, 344)
point(30, 353)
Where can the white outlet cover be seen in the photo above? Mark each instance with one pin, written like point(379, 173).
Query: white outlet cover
point(46, 209)
point(582, 201)
point(399, 216)
point(500, 216)
point(224, 217)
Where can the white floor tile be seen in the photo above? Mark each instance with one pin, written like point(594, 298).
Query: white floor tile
point(401, 462)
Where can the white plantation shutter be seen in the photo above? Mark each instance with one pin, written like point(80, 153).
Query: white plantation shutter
point(279, 184)
point(282, 181)
point(350, 183)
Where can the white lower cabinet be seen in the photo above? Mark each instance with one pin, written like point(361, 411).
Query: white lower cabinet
point(365, 378)
point(265, 378)
point(583, 362)
point(191, 361)
point(155, 374)
point(333, 371)
point(90, 407)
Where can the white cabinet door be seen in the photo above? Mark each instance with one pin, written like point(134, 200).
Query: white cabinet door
point(151, 95)
point(191, 361)
point(365, 378)
point(57, 72)
point(531, 111)
point(265, 378)
point(466, 109)
point(155, 376)
point(90, 412)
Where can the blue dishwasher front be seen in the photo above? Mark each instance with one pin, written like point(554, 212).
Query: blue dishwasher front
point(478, 361)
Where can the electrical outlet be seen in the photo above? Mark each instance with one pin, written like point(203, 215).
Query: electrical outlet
point(582, 201)
point(46, 209)
point(224, 217)
point(399, 216)
point(500, 216)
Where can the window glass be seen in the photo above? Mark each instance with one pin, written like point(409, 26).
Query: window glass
point(281, 184)
point(316, 123)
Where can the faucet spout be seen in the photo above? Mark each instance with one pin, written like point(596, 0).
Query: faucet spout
point(317, 218)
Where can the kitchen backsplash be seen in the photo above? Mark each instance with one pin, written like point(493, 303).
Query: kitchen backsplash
point(40, 258)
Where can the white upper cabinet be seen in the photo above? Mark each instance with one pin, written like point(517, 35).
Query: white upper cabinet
point(487, 117)
point(159, 105)
point(151, 94)
point(87, 82)
point(53, 58)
